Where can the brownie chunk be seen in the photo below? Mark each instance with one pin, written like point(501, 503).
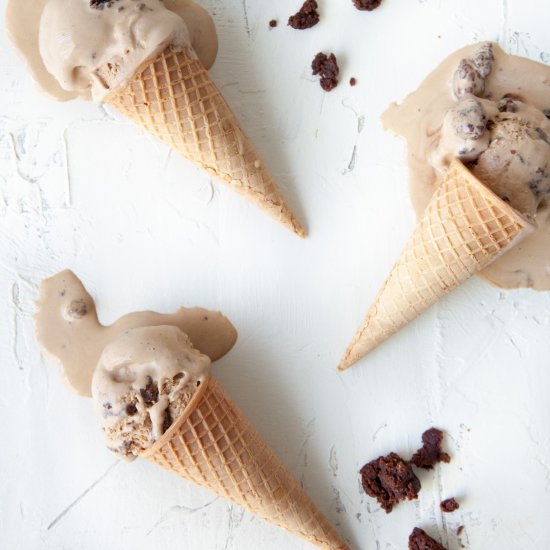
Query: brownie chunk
point(449, 505)
point(352, 81)
point(327, 68)
point(273, 23)
point(307, 17)
point(150, 394)
point(459, 530)
point(420, 540)
point(389, 479)
point(367, 5)
point(430, 453)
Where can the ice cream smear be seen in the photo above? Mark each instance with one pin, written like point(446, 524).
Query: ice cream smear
point(143, 382)
point(88, 48)
point(68, 329)
point(491, 110)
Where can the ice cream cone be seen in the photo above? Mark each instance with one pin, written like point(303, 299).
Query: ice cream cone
point(215, 446)
point(174, 98)
point(464, 228)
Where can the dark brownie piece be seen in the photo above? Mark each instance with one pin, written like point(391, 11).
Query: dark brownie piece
point(367, 5)
point(390, 479)
point(273, 23)
point(352, 81)
point(449, 505)
point(150, 394)
point(430, 453)
point(307, 17)
point(327, 68)
point(420, 540)
point(459, 530)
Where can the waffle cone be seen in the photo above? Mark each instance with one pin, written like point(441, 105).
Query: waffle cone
point(464, 228)
point(174, 98)
point(215, 446)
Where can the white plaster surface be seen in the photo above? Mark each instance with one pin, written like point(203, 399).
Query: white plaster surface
point(84, 189)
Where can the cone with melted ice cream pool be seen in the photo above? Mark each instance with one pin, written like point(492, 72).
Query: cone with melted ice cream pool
point(149, 60)
point(463, 230)
point(156, 399)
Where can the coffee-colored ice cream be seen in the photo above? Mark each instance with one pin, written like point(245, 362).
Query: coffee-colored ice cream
point(88, 48)
point(490, 110)
point(144, 381)
point(68, 329)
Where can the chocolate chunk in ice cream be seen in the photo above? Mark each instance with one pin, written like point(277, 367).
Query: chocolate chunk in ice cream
point(449, 505)
point(307, 17)
point(430, 453)
point(420, 540)
point(150, 394)
point(77, 309)
point(327, 68)
point(367, 5)
point(390, 480)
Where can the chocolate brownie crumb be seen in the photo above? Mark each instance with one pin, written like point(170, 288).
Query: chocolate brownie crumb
point(273, 23)
point(389, 479)
point(420, 540)
point(459, 530)
point(307, 17)
point(430, 453)
point(327, 68)
point(367, 5)
point(352, 81)
point(150, 393)
point(449, 505)
point(131, 409)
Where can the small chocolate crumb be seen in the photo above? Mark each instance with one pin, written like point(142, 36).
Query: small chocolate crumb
point(449, 505)
point(352, 81)
point(389, 479)
point(131, 409)
point(273, 23)
point(367, 5)
point(307, 17)
point(150, 393)
point(430, 453)
point(108, 406)
point(459, 530)
point(420, 540)
point(327, 68)
point(167, 421)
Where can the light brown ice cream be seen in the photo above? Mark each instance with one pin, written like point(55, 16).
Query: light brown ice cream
point(144, 380)
point(488, 109)
point(68, 329)
point(88, 48)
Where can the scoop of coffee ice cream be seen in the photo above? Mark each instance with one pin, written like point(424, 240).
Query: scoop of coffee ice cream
point(516, 164)
point(143, 382)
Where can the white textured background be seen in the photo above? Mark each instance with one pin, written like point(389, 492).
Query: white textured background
point(80, 188)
